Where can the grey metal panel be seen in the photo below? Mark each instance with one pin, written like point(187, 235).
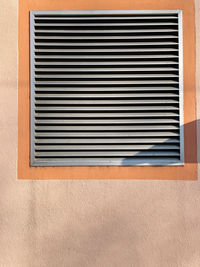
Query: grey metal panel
point(132, 161)
point(32, 91)
point(60, 13)
point(113, 113)
point(181, 130)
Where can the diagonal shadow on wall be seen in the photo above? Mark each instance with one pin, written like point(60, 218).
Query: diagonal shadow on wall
point(190, 147)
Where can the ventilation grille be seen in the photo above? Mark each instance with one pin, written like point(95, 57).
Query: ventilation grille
point(105, 88)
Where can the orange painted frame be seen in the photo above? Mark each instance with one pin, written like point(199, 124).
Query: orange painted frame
point(186, 172)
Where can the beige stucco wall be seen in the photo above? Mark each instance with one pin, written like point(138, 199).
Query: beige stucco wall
point(87, 223)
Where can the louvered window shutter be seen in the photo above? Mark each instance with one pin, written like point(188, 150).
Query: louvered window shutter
point(106, 88)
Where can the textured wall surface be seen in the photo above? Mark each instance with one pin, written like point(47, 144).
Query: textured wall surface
point(87, 223)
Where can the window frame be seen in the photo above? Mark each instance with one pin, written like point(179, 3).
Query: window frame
point(133, 162)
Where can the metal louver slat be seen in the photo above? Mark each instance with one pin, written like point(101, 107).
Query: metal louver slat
point(128, 17)
point(108, 121)
point(67, 64)
point(122, 37)
point(156, 114)
point(106, 88)
point(102, 24)
point(103, 128)
point(91, 57)
point(107, 134)
point(105, 108)
point(103, 69)
point(42, 95)
point(82, 44)
point(75, 141)
point(103, 31)
point(105, 147)
point(108, 82)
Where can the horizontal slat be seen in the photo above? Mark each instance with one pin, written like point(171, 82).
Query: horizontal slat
point(38, 44)
point(104, 89)
point(104, 147)
point(106, 141)
point(114, 161)
point(116, 108)
point(74, 70)
point(61, 57)
point(105, 128)
point(106, 31)
point(107, 115)
point(100, 95)
point(104, 76)
point(92, 24)
point(38, 17)
point(108, 134)
point(106, 154)
point(118, 121)
point(105, 102)
point(100, 82)
point(106, 13)
point(117, 63)
point(102, 50)
point(118, 37)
